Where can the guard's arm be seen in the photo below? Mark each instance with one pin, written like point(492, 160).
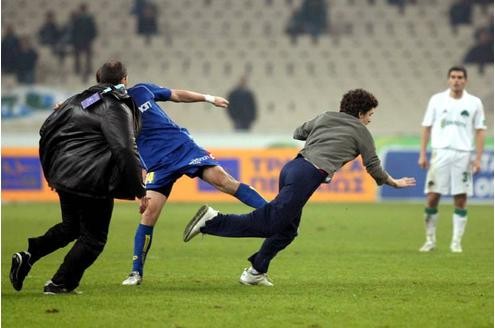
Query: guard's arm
point(117, 127)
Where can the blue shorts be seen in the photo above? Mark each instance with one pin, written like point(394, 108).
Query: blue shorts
point(189, 159)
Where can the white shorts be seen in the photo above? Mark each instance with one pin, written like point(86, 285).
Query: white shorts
point(450, 173)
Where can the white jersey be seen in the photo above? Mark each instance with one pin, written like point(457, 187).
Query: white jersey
point(454, 121)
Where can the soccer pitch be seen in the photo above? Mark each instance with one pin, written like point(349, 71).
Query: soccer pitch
point(352, 265)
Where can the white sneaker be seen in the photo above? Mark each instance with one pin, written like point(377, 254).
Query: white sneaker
point(260, 279)
point(455, 247)
point(428, 247)
point(133, 279)
point(204, 214)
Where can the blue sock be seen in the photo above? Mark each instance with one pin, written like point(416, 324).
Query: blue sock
point(249, 196)
point(142, 244)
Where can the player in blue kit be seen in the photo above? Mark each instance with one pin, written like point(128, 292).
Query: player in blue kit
point(167, 152)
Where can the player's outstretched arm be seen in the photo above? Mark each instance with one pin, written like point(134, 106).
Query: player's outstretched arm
point(187, 96)
point(401, 183)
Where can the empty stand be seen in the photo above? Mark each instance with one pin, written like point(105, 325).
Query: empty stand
point(403, 59)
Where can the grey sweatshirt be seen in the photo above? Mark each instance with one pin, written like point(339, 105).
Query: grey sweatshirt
point(335, 138)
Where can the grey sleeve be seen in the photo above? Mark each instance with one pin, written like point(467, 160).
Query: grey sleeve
point(370, 158)
point(303, 131)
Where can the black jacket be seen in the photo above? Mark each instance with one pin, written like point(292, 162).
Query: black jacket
point(92, 152)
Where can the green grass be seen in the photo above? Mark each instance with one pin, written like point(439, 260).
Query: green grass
point(353, 265)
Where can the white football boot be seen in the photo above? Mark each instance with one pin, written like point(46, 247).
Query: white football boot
point(455, 247)
point(134, 279)
point(428, 246)
point(251, 279)
point(205, 213)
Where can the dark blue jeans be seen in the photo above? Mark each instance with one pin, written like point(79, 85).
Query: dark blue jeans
point(278, 220)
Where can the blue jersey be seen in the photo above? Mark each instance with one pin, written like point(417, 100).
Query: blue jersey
point(160, 136)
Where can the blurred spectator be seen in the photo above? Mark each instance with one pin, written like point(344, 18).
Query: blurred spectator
point(482, 52)
point(53, 35)
point(147, 21)
point(83, 33)
point(460, 13)
point(401, 4)
point(311, 18)
point(65, 44)
point(137, 7)
point(49, 33)
point(27, 59)
point(10, 49)
point(488, 28)
point(242, 106)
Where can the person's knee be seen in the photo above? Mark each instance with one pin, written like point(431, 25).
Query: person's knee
point(155, 205)
point(432, 200)
point(292, 230)
point(284, 227)
point(221, 180)
point(69, 232)
point(95, 244)
point(460, 201)
point(150, 216)
point(290, 234)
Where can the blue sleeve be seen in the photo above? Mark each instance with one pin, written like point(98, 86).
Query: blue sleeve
point(159, 93)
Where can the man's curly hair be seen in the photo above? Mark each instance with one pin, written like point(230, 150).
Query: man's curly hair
point(357, 101)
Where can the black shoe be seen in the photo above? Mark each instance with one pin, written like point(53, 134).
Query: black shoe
point(53, 289)
point(19, 269)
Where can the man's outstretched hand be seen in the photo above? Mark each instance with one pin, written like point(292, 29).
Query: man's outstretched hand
point(405, 182)
point(221, 102)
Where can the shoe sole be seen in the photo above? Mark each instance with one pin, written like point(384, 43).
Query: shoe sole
point(49, 293)
point(255, 283)
point(14, 271)
point(131, 284)
point(199, 214)
point(245, 283)
point(73, 292)
point(430, 248)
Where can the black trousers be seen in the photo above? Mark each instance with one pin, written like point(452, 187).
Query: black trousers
point(85, 220)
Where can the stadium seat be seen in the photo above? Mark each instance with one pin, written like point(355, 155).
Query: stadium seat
point(402, 58)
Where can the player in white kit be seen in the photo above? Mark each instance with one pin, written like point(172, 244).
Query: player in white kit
point(455, 123)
